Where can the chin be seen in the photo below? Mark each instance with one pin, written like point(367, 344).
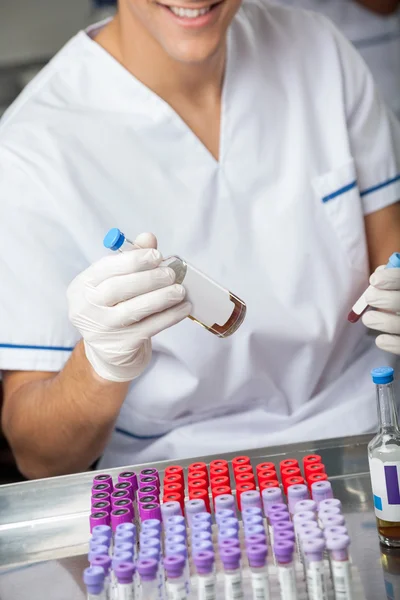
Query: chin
point(194, 53)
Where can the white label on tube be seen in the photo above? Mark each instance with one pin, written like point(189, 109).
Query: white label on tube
point(207, 588)
point(125, 591)
point(211, 303)
point(316, 581)
point(177, 591)
point(385, 480)
point(233, 586)
point(260, 586)
point(341, 574)
point(287, 583)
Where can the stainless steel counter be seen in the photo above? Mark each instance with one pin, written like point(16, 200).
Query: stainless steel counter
point(44, 527)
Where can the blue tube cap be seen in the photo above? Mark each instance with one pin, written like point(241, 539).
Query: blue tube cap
point(382, 375)
point(394, 261)
point(114, 239)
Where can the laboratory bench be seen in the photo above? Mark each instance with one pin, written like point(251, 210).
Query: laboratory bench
point(44, 524)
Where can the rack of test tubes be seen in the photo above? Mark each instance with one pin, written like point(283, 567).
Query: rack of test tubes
point(220, 531)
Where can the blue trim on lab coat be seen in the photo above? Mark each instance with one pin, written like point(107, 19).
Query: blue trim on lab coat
point(380, 186)
point(138, 437)
point(342, 190)
point(377, 40)
point(28, 347)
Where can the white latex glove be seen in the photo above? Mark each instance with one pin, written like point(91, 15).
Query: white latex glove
point(385, 296)
point(119, 303)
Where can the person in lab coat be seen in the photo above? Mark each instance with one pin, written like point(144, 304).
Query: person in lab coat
point(373, 26)
point(250, 139)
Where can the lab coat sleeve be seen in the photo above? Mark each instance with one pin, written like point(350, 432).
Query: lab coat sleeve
point(37, 261)
point(373, 129)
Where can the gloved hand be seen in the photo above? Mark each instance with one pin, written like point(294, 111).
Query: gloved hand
point(385, 296)
point(119, 303)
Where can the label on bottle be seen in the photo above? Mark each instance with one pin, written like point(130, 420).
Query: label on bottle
point(287, 583)
point(233, 586)
point(260, 586)
point(316, 581)
point(124, 591)
point(211, 303)
point(341, 575)
point(207, 588)
point(385, 479)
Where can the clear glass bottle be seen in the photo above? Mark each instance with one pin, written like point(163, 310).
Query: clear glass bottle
point(213, 307)
point(384, 460)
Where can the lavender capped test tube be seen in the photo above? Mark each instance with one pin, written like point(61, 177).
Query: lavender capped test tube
point(283, 552)
point(174, 567)
point(194, 507)
point(225, 502)
point(202, 517)
point(225, 513)
point(154, 524)
point(124, 547)
point(330, 503)
point(250, 498)
point(151, 543)
point(170, 509)
point(305, 506)
point(332, 521)
point(124, 575)
point(102, 530)
point(295, 494)
point(149, 579)
point(251, 511)
point(98, 550)
point(171, 540)
point(99, 518)
point(335, 531)
point(313, 551)
point(233, 583)
point(203, 546)
point(177, 530)
point(254, 520)
point(104, 562)
point(99, 540)
point(229, 543)
point(201, 526)
point(206, 579)
point(181, 550)
point(255, 539)
point(230, 522)
point(271, 496)
point(321, 490)
point(120, 515)
point(149, 533)
point(228, 534)
point(93, 578)
point(175, 520)
point(201, 536)
point(338, 547)
point(257, 557)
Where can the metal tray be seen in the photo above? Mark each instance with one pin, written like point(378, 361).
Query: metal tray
point(44, 527)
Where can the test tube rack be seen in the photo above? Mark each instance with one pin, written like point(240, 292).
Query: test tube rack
point(209, 483)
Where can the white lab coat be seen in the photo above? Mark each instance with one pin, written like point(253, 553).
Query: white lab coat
point(307, 149)
point(377, 37)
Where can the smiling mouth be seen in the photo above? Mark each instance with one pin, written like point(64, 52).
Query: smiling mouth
point(191, 13)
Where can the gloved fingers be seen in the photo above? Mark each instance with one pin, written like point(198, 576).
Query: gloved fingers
point(165, 319)
point(139, 308)
point(389, 343)
point(121, 263)
point(123, 288)
point(383, 299)
point(386, 279)
point(380, 321)
point(146, 240)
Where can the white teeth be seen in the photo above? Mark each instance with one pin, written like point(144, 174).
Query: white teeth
point(189, 13)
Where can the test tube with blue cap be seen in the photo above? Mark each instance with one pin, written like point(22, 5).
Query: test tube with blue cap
point(214, 307)
point(104, 561)
point(93, 578)
point(361, 306)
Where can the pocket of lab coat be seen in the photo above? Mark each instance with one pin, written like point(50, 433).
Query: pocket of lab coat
point(338, 196)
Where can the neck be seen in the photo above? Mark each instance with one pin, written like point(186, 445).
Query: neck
point(133, 46)
point(387, 413)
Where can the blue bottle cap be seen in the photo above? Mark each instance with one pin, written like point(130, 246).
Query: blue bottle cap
point(114, 239)
point(394, 261)
point(382, 375)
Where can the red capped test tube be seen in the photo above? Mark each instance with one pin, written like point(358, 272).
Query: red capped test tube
point(288, 463)
point(175, 498)
point(198, 484)
point(315, 478)
point(241, 460)
point(264, 476)
point(199, 467)
point(220, 482)
point(269, 484)
point(243, 487)
point(265, 466)
point(175, 470)
point(245, 478)
point(311, 459)
point(313, 469)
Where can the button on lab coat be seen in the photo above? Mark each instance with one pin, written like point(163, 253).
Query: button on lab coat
point(307, 150)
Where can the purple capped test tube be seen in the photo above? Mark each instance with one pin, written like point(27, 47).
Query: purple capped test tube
point(230, 558)
point(131, 477)
point(147, 490)
point(103, 478)
point(124, 573)
point(250, 498)
point(119, 495)
point(100, 497)
point(321, 490)
point(278, 517)
point(101, 505)
point(150, 472)
point(254, 520)
point(194, 507)
point(295, 494)
point(124, 503)
point(149, 480)
point(170, 509)
point(257, 557)
point(101, 517)
point(120, 515)
point(204, 564)
point(271, 496)
point(338, 547)
point(228, 534)
point(284, 555)
point(175, 567)
point(287, 535)
point(229, 522)
point(256, 539)
point(104, 561)
point(305, 506)
point(98, 550)
point(276, 507)
point(150, 510)
point(313, 552)
point(229, 543)
point(102, 487)
point(93, 578)
point(225, 502)
point(148, 569)
point(125, 486)
point(180, 550)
